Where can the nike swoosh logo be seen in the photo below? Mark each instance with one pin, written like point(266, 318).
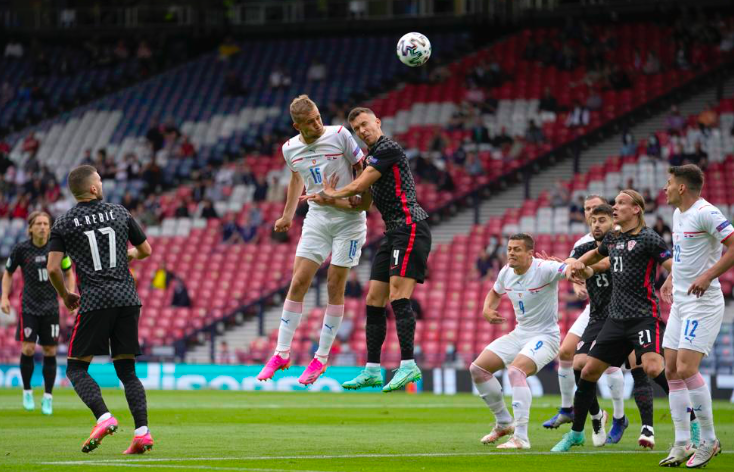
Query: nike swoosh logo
point(646, 345)
point(393, 267)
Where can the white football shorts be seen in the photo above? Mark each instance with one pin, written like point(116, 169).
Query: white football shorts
point(329, 231)
point(541, 348)
point(695, 323)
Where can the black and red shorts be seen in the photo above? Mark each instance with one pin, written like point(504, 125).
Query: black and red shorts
point(403, 253)
point(619, 337)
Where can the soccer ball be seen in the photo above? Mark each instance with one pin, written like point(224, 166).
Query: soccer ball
point(414, 49)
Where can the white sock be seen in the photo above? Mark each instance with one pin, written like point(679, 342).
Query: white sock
point(680, 402)
point(615, 380)
point(104, 417)
point(47, 395)
point(332, 321)
point(567, 383)
point(700, 397)
point(522, 398)
point(597, 416)
point(141, 431)
point(28, 391)
point(372, 366)
point(289, 321)
point(407, 363)
point(491, 393)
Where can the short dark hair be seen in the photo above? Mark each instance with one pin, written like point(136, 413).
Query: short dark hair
point(79, 179)
point(358, 111)
point(690, 174)
point(603, 209)
point(525, 238)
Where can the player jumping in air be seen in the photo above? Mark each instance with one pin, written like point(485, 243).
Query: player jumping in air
point(699, 230)
point(402, 258)
point(634, 321)
point(95, 235)
point(39, 317)
point(532, 286)
point(332, 226)
point(566, 355)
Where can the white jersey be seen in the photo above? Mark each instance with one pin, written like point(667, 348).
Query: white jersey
point(698, 234)
point(534, 295)
point(583, 240)
point(335, 152)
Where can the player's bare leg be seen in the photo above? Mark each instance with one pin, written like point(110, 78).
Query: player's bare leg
point(522, 398)
point(89, 392)
point(490, 390)
point(49, 377)
point(566, 382)
point(375, 331)
point(304, 271)
point(401, 289)
point(27, 350)
point(336, 282)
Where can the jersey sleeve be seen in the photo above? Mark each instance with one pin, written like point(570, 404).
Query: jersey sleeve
point(135, 233)
point(351, 149)
point(658, 247)
point(499, 284)
point(580, 250)
point(715, 223)
point(286, 158)
point(384, 158)
point(14, 260)
point(553, 271)
point(56, 241)
point(604, 246)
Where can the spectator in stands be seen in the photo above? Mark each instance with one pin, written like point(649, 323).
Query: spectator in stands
point(186, 148)
point(637, 62)
point(121, 51)
point(663, 230)
point(727, 39)
point(484, 265)
point(129, 201)
point(653, 148)
point(699, 156)
point(4, 205)
point(534, 133)
point(548, 106)
point(316, 71)
point(279, 78)
point(223, 354)
point(681, 58)
point(594, 101)
point(566, 58)
point(180, 297)
point(207, 210)
point(161, 277)
point(617, 78)
point(182, 210)
point(652, 64)
point(155, 136)
point(675, 121)
point(14, 49)
point(560, 196)
point(473, 165)
point(145, 58)
point(576, 212)
point(354, 287)
point(439, 74)
point(650, 203)
point(261, 189)
point(30, 145)
point(231, 231)
point(708, 118)
point(228, 48)
point(479, 132)
point(20, 208)
point(578, 116)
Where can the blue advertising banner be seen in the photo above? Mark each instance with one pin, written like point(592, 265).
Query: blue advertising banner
point(168, 376)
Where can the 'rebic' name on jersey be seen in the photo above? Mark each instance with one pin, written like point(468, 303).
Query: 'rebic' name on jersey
point(95, 218)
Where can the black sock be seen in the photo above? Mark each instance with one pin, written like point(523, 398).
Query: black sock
point(642, 391)
point(582, 401)
point(594, 408)
point(86, 387)
point(49, 373)
point(134, 391)
point(405, 325)
point(663, 382)
point(375, 330)
point(26, 370)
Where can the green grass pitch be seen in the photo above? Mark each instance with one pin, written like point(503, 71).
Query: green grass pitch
point(264, 431)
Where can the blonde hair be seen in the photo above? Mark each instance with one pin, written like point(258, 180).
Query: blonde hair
point(32, 219)
point(639, 201)
point(300, 106)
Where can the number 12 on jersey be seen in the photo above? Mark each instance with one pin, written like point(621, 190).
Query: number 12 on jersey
point(95, 248)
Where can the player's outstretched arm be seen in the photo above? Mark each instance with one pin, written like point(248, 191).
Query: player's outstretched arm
point(601, 266)
point(490, 308)
point(356, 187)
point(55, 275)
point(7, 287)
point(701, 284)
point(295, 188)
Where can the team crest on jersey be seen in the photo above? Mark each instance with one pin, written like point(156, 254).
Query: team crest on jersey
point(372, 160)
point(313, 161)
point(27, 332)
point(631, 245)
